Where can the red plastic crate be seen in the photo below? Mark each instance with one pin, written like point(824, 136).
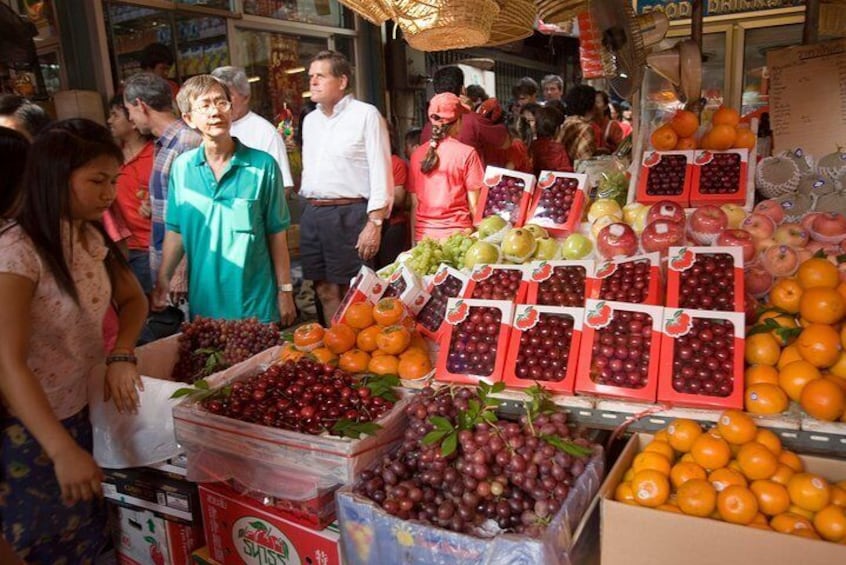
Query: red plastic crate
point(654, 163)
point(513, 212)
point(683, 269)
point(498, 281)
point(367, 286)
point(447, 283)
point(541, 209)
point(608, 280)
point(558, 283)
point(689, 359)
point(734, 192)
point(555, 369)
point(460, 313)
point(603, 318)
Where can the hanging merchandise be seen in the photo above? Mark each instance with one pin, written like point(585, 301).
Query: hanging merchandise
point(376, 12)
point(515, 22)
point(446, 24)
point(590, 47)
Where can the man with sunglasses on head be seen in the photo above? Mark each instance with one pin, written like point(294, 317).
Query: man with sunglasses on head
point(226, 213)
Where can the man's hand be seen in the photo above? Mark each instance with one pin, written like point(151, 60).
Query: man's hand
point(287, 309)
point(160, 296)
point(368, 241)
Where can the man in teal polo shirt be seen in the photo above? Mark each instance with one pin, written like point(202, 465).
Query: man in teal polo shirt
point(226, 211)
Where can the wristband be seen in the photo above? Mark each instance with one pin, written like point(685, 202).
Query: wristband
point(121, 359)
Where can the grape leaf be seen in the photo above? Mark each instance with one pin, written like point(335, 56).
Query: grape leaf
point(434, 437)
point(352, 429)
point(450, 444)
point(440, 423)
point(566, 446)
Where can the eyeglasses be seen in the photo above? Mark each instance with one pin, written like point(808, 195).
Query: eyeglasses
point(209, 107)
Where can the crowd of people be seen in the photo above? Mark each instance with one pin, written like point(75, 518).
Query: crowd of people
point(184, 197)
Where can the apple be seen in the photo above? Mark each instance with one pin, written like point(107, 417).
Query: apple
point(600, 223)
point(639, 222)
point(518, 245)
point(660, 235)
point(492, 225)
point(804, 254)
point(536, 231)
point(808, 220)
point(605, 207)
point(736, 214)
point(771, 208)
point(762, 245)
point(792, 234)
point(631, 211)
point(780, 260)
point(706, 223)
point(547, 249)
point(616, 240)
point(665, 210)
point(758, 280)
point(829, 227)
point(750, 308)
point(738, 238)
point(481, 253)
point(759, 225)
point(576, 246)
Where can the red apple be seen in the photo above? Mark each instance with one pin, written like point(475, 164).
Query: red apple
point(762, 245)
point(829, 227)
point(706, 223)
point(750, 308)
point(758, 280)
point(759, 225)
point(738, 238)
point(792, 234)
point(616, 240)
point(736, 214)
point(780, 260)
point(660, 235)
point(771, 208)
point(804, 254)
point(665, 210)
point(808, 220)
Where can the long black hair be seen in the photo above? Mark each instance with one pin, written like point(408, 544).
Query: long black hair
point(14, 147)
point(430, 161)
point(55, 154)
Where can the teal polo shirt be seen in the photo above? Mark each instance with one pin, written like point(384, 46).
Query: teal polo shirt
point(224, 226)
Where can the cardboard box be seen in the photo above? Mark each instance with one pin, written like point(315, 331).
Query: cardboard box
point(488, 280)
point(169, 495)
point(315, 513)
point(633, 535)
point(735, 173)
point(239, 530)
point(679, 323)
point(568, 288)
point(447, 283)
point(608, 282)
point(142, 536)
point(557, 190)
point(677, 164)
point(683, 259)
point(366, 286)
point(512, 212)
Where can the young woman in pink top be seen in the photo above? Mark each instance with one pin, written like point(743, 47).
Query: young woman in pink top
point(444, 175)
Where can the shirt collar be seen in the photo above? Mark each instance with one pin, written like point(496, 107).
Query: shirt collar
point(170, 133)
point(239, 157)
point(339, 107)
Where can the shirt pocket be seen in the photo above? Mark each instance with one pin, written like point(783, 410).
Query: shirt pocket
point(244, 215)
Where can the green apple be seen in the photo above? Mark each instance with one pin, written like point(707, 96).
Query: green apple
point(536, 231)
point(576, 246)
point(481, 253)
point(631, 211)
point(736, 214)
point(518, 245)
point(547, 250)
point(491, 225)
point(605, 207)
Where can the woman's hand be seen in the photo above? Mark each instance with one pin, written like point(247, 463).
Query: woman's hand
point(122, 384)
point(79, 476)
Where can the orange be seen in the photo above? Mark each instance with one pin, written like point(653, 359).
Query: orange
point(838, 496)
point(794, 376)
point(684, 123)
point(651, 460)
point(769, 439)
point(661, 435)
point(388, 311)
point(737, 505)
point(661, 447)
point(308, 336)
point(782, 474)
point(683, 433)
point(737, 427)
point(393, 340)
point(788, 355)
point(413, 367)
point(697, 497)
point(651, 488)
point(794, 509)
point(710, 452)
point(669, 507)
point(821, 305)
point(725, 477)
point(761, 374)
point(359, 315)
point(783, 321)
point(745, 138)
point(324, 355)
point(763, 349)
point(839, 381)
point(726, 116)
point(721, 137)
point(788, 523)
point(623, 493)
point(818, 272)
point(785, 294)
point(791, 460)
point(684, 471)
point(685, 143)
point(383, 365)
point(803, 533)
point(830, 522)
point(765, 399)
point(664, 138)
point(809, 491)
point(366, 339)
point(354, 361)
point(823, 400)
point(756, 461)
point(628, 475)
point(772, 497)
point(339, 338)
point(705, 142)
point(819, 344)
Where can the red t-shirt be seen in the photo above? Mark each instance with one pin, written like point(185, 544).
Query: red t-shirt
point(442, 206)
point(132, 190)
point(398, 214)
point(550, 155)
point(476, 131)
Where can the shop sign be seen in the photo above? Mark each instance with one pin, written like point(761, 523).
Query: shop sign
point(682, 9)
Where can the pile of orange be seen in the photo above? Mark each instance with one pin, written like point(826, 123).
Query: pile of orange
point(372, 339)
point(726, 132)
point(738, 473)
point(803, 356)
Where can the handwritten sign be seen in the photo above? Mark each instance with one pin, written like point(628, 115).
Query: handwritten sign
point(808, 97)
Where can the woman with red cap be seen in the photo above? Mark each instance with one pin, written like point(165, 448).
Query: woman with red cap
point(444, 175)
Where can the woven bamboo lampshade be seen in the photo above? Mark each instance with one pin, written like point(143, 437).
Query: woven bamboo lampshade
point(437, 25)
point(374, 11)
point(516, 21)
point(560, 11)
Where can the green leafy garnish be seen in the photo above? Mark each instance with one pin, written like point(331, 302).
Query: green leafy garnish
point(201, 391)
point(566, 446)
point(352, 429)
point(770, 325)
point(383, 386)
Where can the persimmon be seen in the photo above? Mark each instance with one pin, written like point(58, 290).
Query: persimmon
point(388, 311)
point(684, 123)
point(366, 339)
point(308, 336)
point(324, 355)
point(413, 367)
point(354, 361)
point(393, 340)
point(383, 364)
point(359, 315)
point(339, 338)
point(664, 138)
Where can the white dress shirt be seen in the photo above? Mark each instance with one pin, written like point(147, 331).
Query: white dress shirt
point(256, 132)
point(347, 155)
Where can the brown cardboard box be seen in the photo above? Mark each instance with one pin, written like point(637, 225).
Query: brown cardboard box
point(633, 535)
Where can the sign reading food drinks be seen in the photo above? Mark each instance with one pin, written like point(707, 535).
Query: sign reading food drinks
point(677, 10)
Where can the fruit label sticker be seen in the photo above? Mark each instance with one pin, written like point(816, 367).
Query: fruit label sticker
point(678, 324)
point(481, 272)
point(599, 317)
point(457, 313)
point(526, 318)
point(493, 179)
point(683, 260)
point(441, 275)
point(651, 158)
point(546, 180)
point(606, 270)
point(704, 158)
point(395, 276)
point(542, 271)
point(259, 542)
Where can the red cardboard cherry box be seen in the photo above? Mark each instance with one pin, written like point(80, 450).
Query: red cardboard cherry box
point(543, 347)
point(634, 279)
point(619, 351)
point(474, 344)
point(498, 282)
point(558, 202)
point(702, 358)
point(505, 193)
point(666, 175)
point(705, 278)
point(408, 287)
point(447, 283)
point(560, 283)
point(719, 177)
point(366, 286)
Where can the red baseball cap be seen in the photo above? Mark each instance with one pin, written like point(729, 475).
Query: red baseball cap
point(445, 108)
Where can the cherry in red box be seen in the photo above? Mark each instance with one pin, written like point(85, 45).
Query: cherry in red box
point(706, 278)
point(505, 193)
point(702, 358)
point(544, 347)
point(558, 202)
point(407, 286)
point(474, 344)
point(367, 286)
point(498, 282)
point(559, 283)
point(634, 279)
point(619, 351)
point(666, 175)
point(447, 283)
point(719, 177)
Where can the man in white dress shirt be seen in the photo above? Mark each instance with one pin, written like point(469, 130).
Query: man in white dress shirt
point(250, 128)
point(347, 182)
